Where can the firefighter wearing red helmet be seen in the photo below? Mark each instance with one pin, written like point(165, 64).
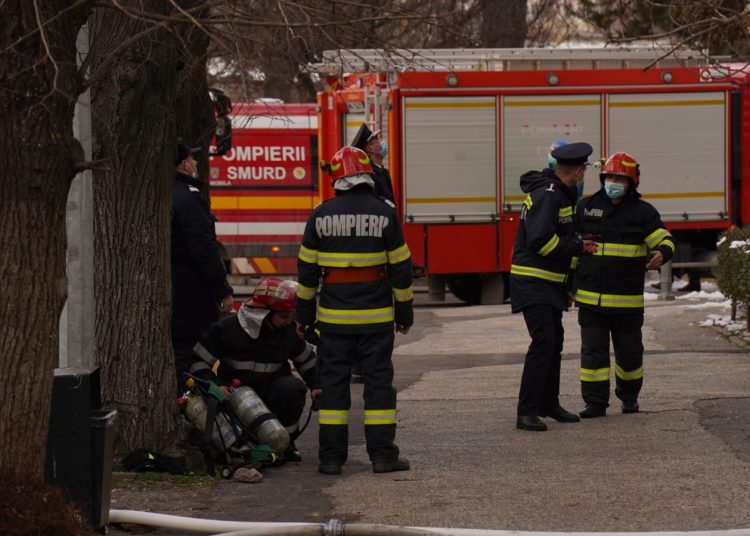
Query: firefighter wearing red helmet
point(255, 346)
point(354, 248)
point(609, 285)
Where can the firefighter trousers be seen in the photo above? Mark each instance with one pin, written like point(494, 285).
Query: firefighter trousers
point(337, 355)
point(540, 382)
point(285, 397)
point(625, 332)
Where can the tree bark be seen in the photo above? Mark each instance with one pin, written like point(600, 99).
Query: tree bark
point(503, 23)
point(134, 132)
point(37, 99)
point(193, 109)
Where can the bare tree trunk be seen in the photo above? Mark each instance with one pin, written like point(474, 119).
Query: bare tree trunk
point(503, 23)
point(134, 131)
point(37, 98)
point(193, 112)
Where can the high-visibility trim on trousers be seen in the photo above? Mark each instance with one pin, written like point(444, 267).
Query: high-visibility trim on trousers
point(333, 416)
point(380, 416)
point(630, 375)
point(594, 375)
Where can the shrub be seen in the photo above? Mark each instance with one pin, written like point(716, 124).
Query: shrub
point(734, 267)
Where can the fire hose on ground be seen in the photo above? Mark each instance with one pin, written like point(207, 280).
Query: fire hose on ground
point(336, 527)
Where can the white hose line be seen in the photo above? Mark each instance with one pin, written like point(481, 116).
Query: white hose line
point(492, 532)
point(349, 529)
point(207, 526)
point(253, 528)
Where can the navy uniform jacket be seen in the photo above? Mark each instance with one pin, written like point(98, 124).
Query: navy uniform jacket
point(383, 184)
point(612, 279)
point(255, 362)
point(198, 276)
point(545, 243)
point(355, 229)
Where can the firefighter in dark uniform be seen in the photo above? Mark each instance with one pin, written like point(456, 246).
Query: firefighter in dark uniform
point(609, 285)
point(377, 149)
point(545, 245)
point(354, 243)
point(255, 346)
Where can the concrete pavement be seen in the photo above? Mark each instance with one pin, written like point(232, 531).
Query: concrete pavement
point(683, 463)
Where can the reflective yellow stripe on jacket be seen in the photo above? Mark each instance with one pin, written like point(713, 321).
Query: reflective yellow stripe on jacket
point(403, 294)
point(306, 293)
point(333, 416)
point(528, 271)
point(659, 236)
point(308, 255)
point(345, 260)
point(551, 244)
point(611, 249)
point(610, 300)
point(380, 416)
point(355, 316)
point(399, 254)
point(594, 375)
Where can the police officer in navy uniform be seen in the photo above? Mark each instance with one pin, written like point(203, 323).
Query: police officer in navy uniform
point(354, 244)
point(377, 149)
point(545, 245)
point(255, 347)
point(200, 292)
point(609, 286)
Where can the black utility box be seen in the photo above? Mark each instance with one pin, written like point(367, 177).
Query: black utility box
point(80, 442)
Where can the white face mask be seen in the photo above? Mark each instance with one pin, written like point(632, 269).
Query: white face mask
point(191, 168)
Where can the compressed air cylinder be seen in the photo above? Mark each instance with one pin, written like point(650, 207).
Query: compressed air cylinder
point(196, 410)
point(254, 414)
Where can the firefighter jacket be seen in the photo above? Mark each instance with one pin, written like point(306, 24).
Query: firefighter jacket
point(199, 280)
point(545, 242)
point(612, 279)
point(355, 230)
point(253, 361)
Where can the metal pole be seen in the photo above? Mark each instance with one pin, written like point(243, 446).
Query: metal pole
point(77, 319)
point(665, 277)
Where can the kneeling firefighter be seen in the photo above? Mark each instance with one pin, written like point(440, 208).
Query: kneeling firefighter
point(252, 348)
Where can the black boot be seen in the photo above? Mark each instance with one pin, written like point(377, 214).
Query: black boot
point(399, 464)
point(560, 414)
point(630, 407)
point(530, 423)
point(291, 454)
point(329, 468)
point(592, 411)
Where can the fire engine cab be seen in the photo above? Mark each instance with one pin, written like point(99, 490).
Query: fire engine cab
point(463, 125)
point(265, 186)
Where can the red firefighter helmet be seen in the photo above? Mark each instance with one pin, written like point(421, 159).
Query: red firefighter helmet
point(623, 165)
point(349, 161)
point(274, 294)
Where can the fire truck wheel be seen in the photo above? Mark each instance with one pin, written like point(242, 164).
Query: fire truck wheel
point(466, 287)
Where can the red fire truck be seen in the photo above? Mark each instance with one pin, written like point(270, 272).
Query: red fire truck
point(463, 125)
point(263, 189)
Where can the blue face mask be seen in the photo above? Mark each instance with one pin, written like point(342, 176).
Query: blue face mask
point(383, 149)
point(614, 190)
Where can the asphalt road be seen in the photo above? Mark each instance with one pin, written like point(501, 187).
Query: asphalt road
point(682, 463)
